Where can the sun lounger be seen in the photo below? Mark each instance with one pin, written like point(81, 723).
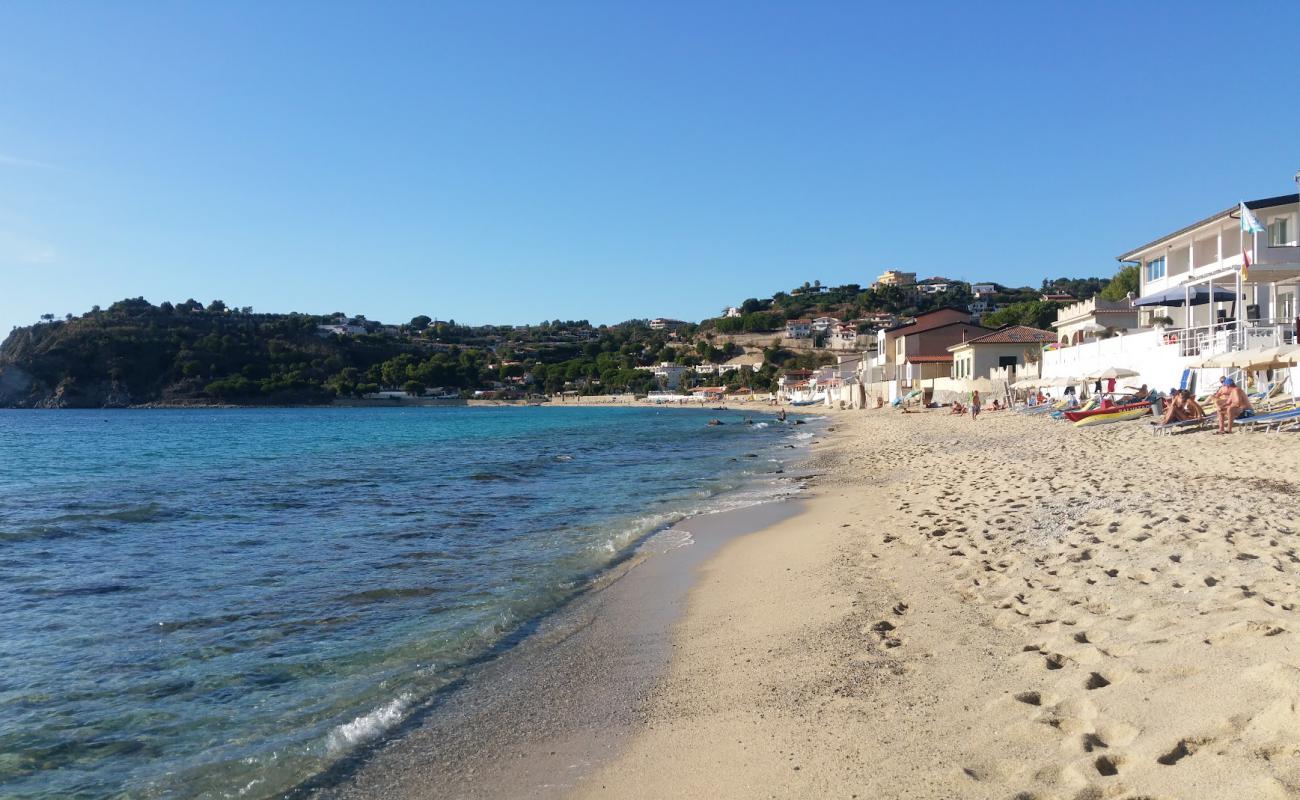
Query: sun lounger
point(1268, 420)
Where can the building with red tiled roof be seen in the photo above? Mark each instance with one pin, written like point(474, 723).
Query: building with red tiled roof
point(1008, 348)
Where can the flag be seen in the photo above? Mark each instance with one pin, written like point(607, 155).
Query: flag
point(1249, 222)
point(1245, 265)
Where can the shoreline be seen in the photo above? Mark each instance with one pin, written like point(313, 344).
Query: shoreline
point(564, 695)
point(539, 718)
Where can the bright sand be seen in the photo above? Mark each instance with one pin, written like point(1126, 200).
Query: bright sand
point(1008, 608)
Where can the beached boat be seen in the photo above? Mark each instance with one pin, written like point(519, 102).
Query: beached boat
point(1075, 416)
point(1115, 414)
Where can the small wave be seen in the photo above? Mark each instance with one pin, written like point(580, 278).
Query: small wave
point(149, 512)
point(760, 425)
point(490, 476)
point(665, 541)
point(367, 726)
point(380, 595)
point(563, 458)
point(87, 591)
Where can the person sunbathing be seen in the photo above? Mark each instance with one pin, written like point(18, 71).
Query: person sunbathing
point(1235, 405)
point(957, 408)
point(1191, 408)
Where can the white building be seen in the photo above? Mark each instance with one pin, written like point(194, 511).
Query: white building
point(667, 373)
point(824, 324)
point(983, 289)
point(664, 323)
point(842, 337)
point(1193, 276)
point(1203, 263)
point(732, 311)
point(798, 328)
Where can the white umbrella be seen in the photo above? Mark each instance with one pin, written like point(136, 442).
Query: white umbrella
point(1115, 373)
point(1025, 383)
point(1211, 362)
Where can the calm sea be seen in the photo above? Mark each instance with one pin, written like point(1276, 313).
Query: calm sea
point(222, 603)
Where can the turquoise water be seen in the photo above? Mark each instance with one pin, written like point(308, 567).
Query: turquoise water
point(222, 603)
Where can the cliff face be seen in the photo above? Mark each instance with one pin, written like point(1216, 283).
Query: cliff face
point(33, 374)
point(134, 353)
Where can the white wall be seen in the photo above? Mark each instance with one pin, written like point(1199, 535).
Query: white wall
point(1158, 364)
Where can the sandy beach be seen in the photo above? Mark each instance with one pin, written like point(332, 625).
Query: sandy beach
point(1008, 608)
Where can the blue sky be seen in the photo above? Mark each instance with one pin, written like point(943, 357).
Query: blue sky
point(503, 162)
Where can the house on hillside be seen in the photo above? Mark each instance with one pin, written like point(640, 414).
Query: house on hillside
point(798, 328)
point(665, 324)
point(893, 277)
point(1005, 350)
point(982, 290)
point(824, 324)
point(842, 337)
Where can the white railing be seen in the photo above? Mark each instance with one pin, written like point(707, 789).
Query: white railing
point(1209, 340)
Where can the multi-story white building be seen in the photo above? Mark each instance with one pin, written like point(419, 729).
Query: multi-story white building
point(1202, 263)
point(1192, 282)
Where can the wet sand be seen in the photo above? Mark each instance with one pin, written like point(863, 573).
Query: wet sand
point(536, 721)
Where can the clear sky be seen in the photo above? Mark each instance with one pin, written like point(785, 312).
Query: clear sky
point(513, 162)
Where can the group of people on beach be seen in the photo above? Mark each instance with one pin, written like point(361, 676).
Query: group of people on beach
point(1230, 400)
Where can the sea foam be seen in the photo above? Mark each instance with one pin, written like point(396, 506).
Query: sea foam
point(367, 726)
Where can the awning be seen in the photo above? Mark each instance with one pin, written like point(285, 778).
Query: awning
point(1177, 296)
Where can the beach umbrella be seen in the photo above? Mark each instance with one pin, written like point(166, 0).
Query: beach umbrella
point(1215, 361)
point(1025, 383)
point(1115, 373)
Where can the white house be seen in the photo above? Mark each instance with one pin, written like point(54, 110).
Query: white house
point(798, 328)
point(824, 324)
point(1203, 262)
point(1194, 276)
point(842, 337)
point(665, 324)
point(667, 373)
point(981, 290)
point(732, 311)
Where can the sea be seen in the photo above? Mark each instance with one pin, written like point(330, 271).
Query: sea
point(226, 603)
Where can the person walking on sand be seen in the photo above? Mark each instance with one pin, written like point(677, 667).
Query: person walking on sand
point(975, 404)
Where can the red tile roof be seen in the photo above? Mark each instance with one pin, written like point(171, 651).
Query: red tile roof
point(1014, 334)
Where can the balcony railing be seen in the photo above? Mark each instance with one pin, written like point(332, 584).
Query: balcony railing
point(1223, 337)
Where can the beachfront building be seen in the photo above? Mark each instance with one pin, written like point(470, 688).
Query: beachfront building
point(1197, 298)
point(886, 338)
point(667, 374)
point(1202, 263)
point(999, 355)
point(798, 328)
point(1087, 319)
point(922, 354)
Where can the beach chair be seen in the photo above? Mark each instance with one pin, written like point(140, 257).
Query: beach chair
point(1186, 424)
point(1267, 420)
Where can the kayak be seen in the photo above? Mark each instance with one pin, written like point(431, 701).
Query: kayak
point(1116, 414)
point(1075, 416)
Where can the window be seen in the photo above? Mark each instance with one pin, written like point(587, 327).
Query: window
point(1279, 234)
point(1156, 269)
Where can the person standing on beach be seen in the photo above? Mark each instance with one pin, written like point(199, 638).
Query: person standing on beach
point(975, 404)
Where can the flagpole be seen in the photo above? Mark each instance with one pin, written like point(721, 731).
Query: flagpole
point(1241, 242)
